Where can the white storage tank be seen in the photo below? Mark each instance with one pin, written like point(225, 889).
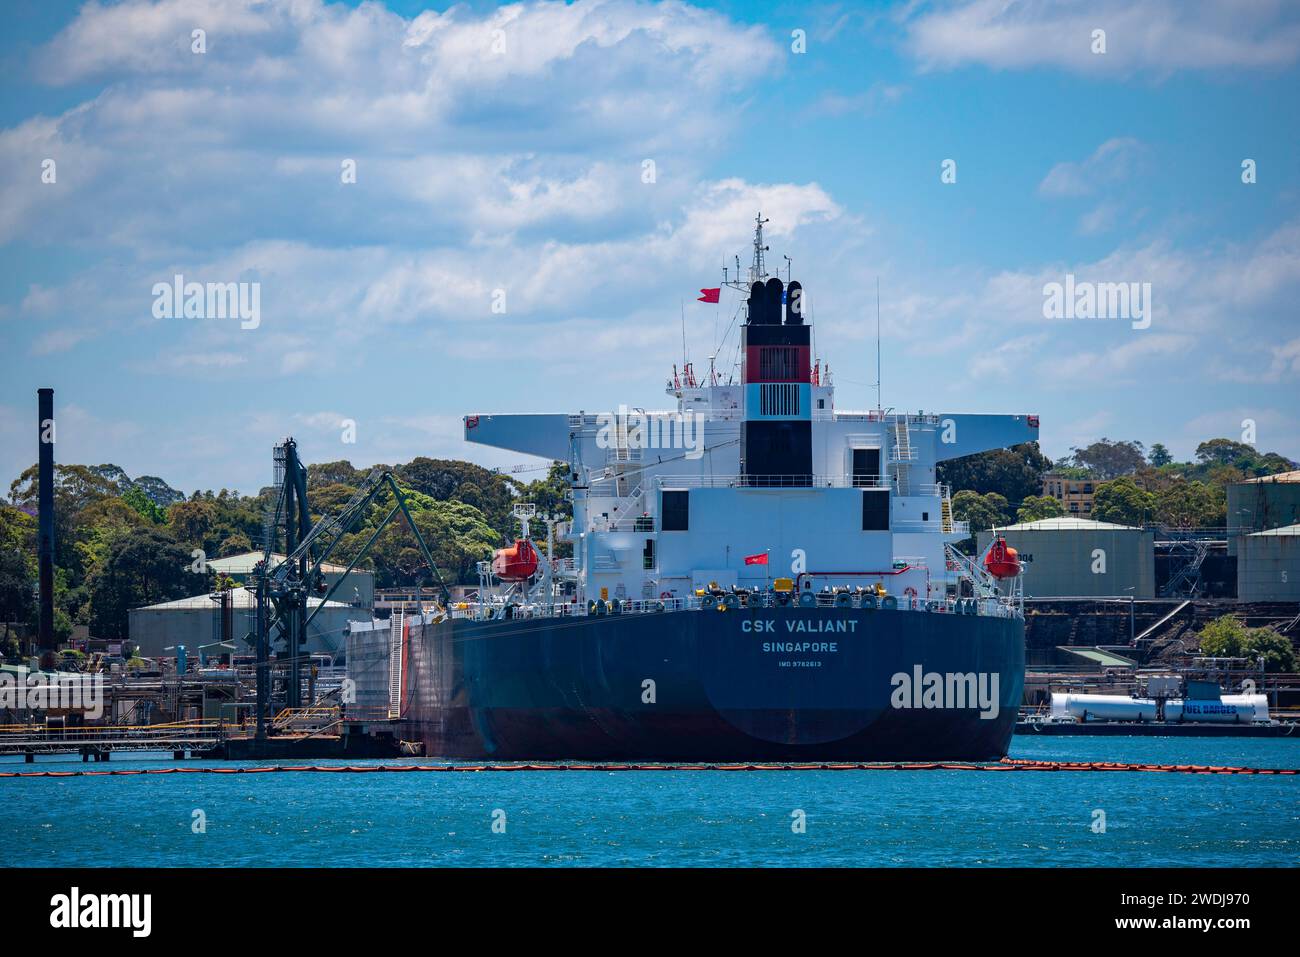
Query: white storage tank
point(1102, 707)
point(1228, 709)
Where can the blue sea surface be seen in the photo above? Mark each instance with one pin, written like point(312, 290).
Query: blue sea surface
point(675, 818)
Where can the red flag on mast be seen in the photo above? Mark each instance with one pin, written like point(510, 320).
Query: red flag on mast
point(709, 295)
point(759, 559)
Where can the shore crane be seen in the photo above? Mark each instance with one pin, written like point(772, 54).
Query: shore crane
point(283, 588)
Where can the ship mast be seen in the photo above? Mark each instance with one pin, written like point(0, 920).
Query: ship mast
point(758, 271)
point(758, 268)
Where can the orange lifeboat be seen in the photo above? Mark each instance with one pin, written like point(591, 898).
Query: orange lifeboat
point(1002, 561)
point(517, 563)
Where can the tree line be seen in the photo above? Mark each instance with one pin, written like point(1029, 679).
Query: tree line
point(1131, 485)
point(122, 543)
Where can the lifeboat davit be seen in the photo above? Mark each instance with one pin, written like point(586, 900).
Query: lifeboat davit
point(1002, 561)
point(517, 563)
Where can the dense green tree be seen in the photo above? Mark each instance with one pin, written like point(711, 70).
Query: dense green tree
point(1223, 637)
point(193, 524)
point(1224, 452)
point(444, 479)
point(98, 527)
point(1105, 459)
point(1122, 501)
point(18, 532)
point(457, 535)
point(1015, 473)
point(1037, 507)
point(1227, 637)
point(1159, 455)
point(144, 566)
point(144, 505)
point(1243, 458)
point(1276, 650)
point(330, 499)
point(982, 511)
point(551, 493)
point(1065, 468)
point(334, 473)
point(236, 544)
point(75, 487)
point(1184, 504)
point(17, 591)
point(159, 492)
point(114, 474)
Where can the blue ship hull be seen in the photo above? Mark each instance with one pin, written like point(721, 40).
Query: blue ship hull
point(738, 685)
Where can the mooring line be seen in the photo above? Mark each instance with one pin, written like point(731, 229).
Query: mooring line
point(1006, 764)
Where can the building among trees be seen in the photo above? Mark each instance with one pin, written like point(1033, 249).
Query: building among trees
point(1075, 495)
point(358, 590)
point(155, 630)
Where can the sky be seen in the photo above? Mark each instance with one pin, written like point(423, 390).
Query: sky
point(445, 210)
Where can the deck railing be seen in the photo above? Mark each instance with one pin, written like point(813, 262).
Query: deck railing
point(990, 607)
point(770, 481)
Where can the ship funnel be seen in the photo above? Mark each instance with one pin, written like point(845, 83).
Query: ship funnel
point(765, 303)
point(794, 304)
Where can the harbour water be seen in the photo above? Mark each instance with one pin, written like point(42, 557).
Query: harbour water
point(676, 818)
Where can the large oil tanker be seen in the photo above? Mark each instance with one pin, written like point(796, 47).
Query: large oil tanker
point(755, 575)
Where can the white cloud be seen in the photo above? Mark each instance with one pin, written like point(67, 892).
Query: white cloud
point(1102, 219)
point(186, 362)
point(59, 340)
point(1142, 352)
point(865, 103)
point(453, 141)
point(477, 169)
point(1158, 36)
point(1112, 162)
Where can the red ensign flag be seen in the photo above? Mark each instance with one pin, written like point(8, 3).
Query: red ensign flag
point(756, 559)
point(709, 295)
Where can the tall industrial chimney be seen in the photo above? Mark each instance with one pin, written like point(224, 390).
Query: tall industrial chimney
point(45, 529)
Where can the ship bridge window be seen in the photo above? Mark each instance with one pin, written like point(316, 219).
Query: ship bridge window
point(875, 510)
point(675, 511)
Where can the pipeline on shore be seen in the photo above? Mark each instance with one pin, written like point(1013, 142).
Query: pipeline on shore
point(1006, 764)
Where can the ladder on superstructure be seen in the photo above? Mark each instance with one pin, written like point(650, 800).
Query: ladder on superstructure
point(396, 632)
point(946, 509)
point(903, 455)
